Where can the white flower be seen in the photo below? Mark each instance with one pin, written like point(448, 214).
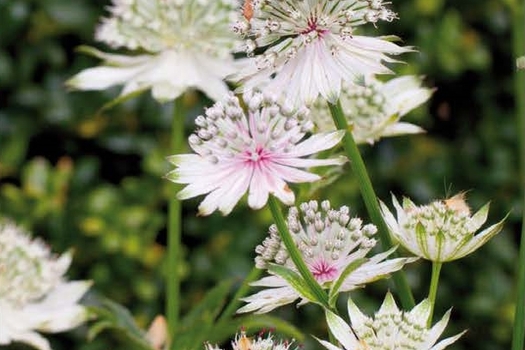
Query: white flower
point(390, 328)
point(329, 241)
point(441, 231)
point(184, 44)
point(242, 342)
point(373, 109)
point(33, 293)
point(258, 151)
point(308, 48)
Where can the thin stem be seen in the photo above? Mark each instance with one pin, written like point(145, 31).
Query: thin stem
point(288, 241)
point(434, 282)
point(241, 292)
point(370, 199)
point(174, 226)
point(518, 11)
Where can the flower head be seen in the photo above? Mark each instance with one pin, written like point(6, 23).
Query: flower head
point(441, 231)
point(242, 342)
point(33, 293)
point(373, 108)
point(308, 48)
point(184, 44)
point(258, 151)
point(390, 328)
point(330, 242)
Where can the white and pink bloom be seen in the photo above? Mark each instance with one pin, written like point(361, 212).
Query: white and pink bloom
point(309, 48)
point(181, 45)
point(373, 108)
point(258, 151)
point(329, 241)
point(34, 295)
point(390, 328)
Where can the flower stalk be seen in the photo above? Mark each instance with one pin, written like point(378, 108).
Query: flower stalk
point(518, 11)
point(434, 282)
point(295, 255)
point(174, 224)
point(370, 199)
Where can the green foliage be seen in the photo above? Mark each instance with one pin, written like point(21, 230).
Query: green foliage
point(91, 179)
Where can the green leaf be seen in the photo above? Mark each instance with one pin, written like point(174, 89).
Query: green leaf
point(115, 317)
point(197, 325)
point(334, 290)
point(296, 282)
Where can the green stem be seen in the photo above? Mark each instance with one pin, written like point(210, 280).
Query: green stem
point(297, 259)
point(434, 282)
point(518, 11)
point(241, 292)
point(370, 199)
point(174, 225)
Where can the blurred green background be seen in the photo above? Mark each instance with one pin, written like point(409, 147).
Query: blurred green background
point(92, 180)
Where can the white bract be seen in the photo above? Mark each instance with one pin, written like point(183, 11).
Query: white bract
point(258, 151)
point(389, 329)
point(307, 48)
point(441, 231)
point(180, 45)
point(242, 342)
point(330, 242)
point(373, 108)
point(34, 296)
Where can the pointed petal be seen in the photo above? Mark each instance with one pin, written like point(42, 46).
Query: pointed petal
point(341, 331)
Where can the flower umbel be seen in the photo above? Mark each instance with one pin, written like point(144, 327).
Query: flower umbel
point(242, 342)
point(373, 108)
point(33, 293)
point(258, 151)
point(330, 242)
point(390, 328)
point(441, 231)
point(182, 45)
point(308, 48)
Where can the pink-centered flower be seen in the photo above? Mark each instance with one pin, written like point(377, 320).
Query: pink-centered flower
point(330, 242)
point(308, 48)
point(258, 151)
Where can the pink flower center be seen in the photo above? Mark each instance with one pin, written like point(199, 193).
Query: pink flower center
point(323, 271)
point(257, 155)
point(312, 27)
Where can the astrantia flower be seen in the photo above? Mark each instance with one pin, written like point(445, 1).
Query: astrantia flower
point(256, 152)
point(441, 231)
point(329, 241)
point(180, 44)
point(242, 342)
point(373, 108)
point(34, 295)
point(389, 329)
point(308, 48)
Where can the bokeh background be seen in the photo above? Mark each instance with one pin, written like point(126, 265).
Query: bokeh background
point(91, 180)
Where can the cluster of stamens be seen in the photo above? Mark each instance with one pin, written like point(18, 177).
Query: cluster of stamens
point(225, 132)
point(438, 219)
point(300, 22)
point(392, 330)
point(156, 26)
point(324, 236)
point(28, 271)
